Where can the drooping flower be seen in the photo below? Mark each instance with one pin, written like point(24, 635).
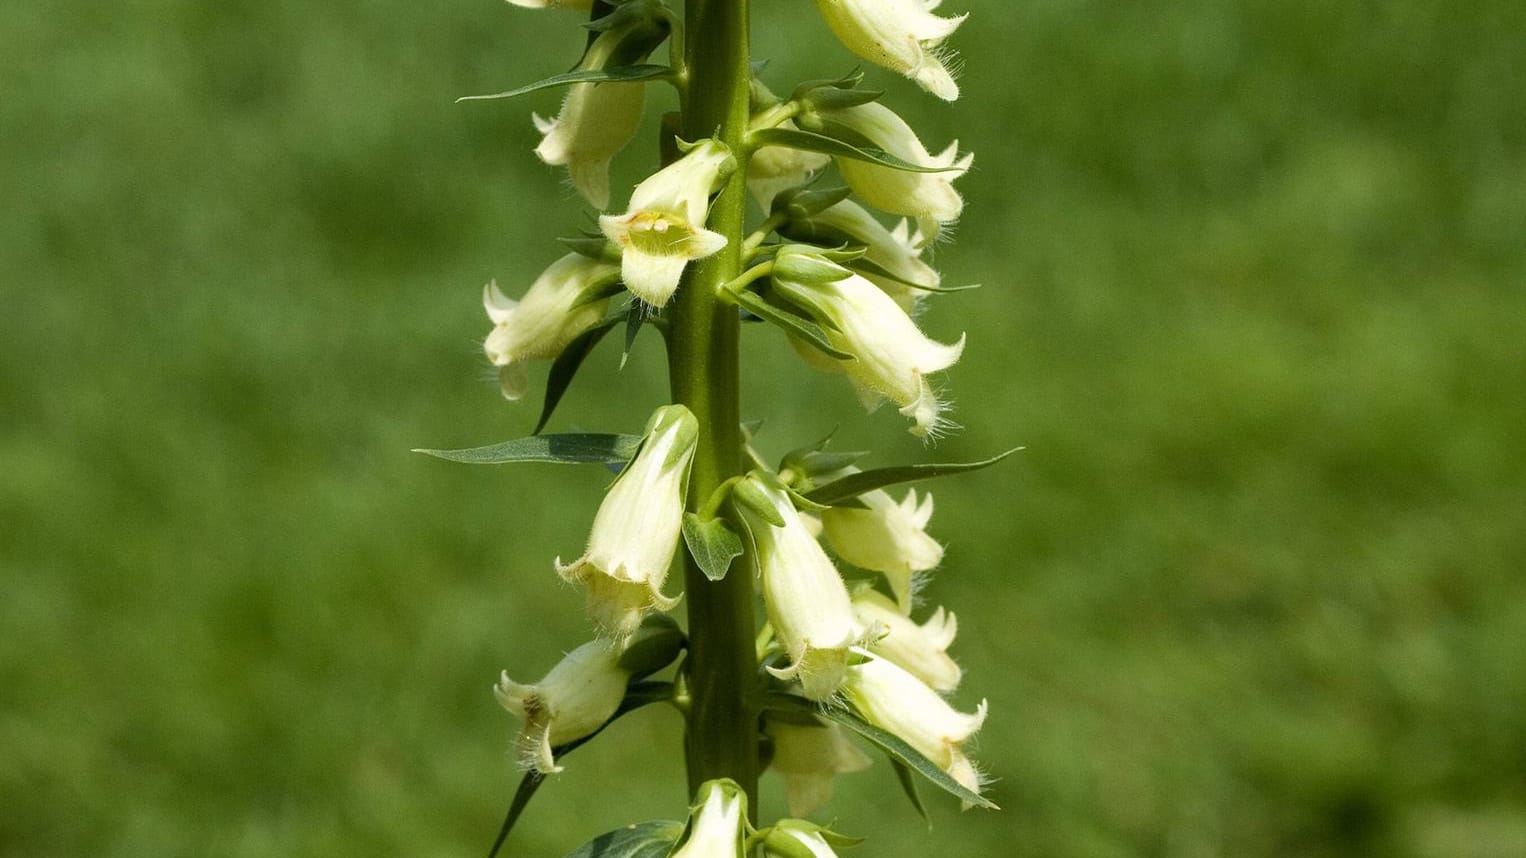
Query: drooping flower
point(896, 253)
point(637, 527)
point(571, 702)
point(892, 357)
point(809, 756)
point(563, 302)
point(806, 599)
point(887, 537)
point(664, 226)
point(901, 35)
point(717, 823)
point(598, 119)
point(921, 650)
point(892, 699)
point(928, 197)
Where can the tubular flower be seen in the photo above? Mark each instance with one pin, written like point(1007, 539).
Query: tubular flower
point(664, 226)
point(928, 197)
point(892, 357)
point(562, 303)
point(892, 699)
point(896, 253)
point(636, 529)
point(921, 650)
point(807, 602)
point(597, 120)
point(887, 537)
point(717, 824)
point(809, 756)
point(575, 699)
point(901, 35)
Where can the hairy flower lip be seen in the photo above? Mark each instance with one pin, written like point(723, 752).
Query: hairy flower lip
point(901, 35)
point(580, 693)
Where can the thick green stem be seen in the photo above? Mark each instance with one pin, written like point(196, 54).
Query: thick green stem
point(722, 738)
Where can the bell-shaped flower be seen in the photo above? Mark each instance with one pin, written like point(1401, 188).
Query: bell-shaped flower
point(598, 119)
point(575, 699)
point(922, 650)
point(901, 35)
point(637, 527)
point(664, 226)
point(567, 299)
point(896, 253)
point(886, 537)
point(890, 698)
point(809, 756)
point(892, 357)
point(806, 600)
point(928, 197)
point(798, 838)
point(717, 823)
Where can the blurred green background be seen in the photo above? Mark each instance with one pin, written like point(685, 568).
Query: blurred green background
point(1254, 304)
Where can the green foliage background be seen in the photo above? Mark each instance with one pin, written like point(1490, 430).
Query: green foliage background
point(1254, 303)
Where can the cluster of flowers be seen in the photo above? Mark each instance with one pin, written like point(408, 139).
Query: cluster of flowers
point(850, 288)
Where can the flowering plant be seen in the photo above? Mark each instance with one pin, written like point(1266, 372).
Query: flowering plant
point(839, 664)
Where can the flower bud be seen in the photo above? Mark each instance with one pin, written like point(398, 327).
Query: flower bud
point(901, 35)
point(921, 650)
point(664, 226)
point(887, 537)
point(717, 823)
point(928, 197)
point(807, 602)
point(809, 756)
point(597, 120)
point(798, 838)
point(553, 312)
point(574, 700)
point(636, 529)
point(895, 252)
point(892, 357)
point(888, 697)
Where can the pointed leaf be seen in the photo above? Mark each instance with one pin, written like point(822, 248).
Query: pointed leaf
point(853, 485)
point(633, 319)
point(885, 741)
point(643, 840)
point(566, 367)
point(867, 267)
point(527, 787)
point(798, 326)
point(810, 141)
point(619, 74)
point(574, 448)
point(712, 544)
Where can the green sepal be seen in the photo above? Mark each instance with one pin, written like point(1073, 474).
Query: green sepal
point(619, 74)
point(867, 267)
point(657, 642)
point(712, 544)
point(853, 485)
point(634, 317)
point(798, 326)
point(595, 247)
point(566, 367)
point(850, 80)
point(885, 741)
point(601, 289)
point(747, 493)
point(812, 141)
point(909, 786)
point(838, 99)
point(796, 264)
point(642, 840)
point(805, 503)
point(802, 203)
point(815, 463)
point(571, 449)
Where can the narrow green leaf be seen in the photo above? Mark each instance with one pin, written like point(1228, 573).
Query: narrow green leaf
point(867, 267)
point(712, 543)
point(633, 319)
point(566, 367)
point(799, 326)
point(854, 485)
point(885, 741)
point(527, 787)
point(810, 141)
point(909, 786)
point(619, 74)
point(576, 448)
point(643, 840)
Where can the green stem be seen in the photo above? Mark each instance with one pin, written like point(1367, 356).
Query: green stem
point(722, 738)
